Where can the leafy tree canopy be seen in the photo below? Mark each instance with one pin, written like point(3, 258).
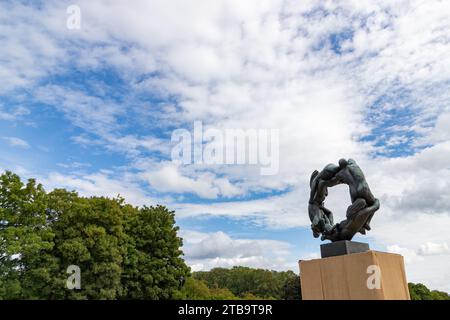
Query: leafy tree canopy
point(242, 281)
point(123, 252)
point(419, 291)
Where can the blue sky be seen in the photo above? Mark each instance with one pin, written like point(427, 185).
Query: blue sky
point(93, 109)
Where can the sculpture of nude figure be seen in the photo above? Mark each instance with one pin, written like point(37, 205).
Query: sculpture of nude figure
point(321, 218)
point(359, 213)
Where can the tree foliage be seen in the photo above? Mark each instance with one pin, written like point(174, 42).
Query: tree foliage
point(291, 289)
point(195, 289)
point(242, 281)
point(154, 261)
point(122, 251)
point(25, 233)
point(418, 291)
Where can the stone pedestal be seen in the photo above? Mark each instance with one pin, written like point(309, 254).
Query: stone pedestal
point(370, 275)
point(342, 247)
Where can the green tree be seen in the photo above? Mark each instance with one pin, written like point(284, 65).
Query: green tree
point(193, 289)
point(153, 266)
point(25, 237)
point(122, 251)
point(418, 291)
point(291, 289)
point(89, 233)
point(250, 296)
point(222, 294)
point(242, 280)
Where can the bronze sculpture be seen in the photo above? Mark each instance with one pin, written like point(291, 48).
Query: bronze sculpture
point(359, 213)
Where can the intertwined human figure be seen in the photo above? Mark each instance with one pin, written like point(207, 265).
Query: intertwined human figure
point(359, 213)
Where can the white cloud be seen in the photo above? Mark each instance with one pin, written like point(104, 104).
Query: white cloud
point(98, 117)
point(28, 52)
point(441, 131)
point(91, 113)
point(426, 264)
point(204, 251)
point(168, 178)
point(11, 114)
point(17, 142)
point(74, 165)
point(410, 256)
point(275, 211)
point(432, 249)
point(100, 184)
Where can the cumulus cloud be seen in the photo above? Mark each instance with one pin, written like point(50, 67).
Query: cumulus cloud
point(431, 249)
point(100, 184)
point(168, 178)
point(425, 264)
point(204, 251)
point(409, 255)
point(427, 249)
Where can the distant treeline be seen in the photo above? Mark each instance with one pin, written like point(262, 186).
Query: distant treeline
point(242, 283)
